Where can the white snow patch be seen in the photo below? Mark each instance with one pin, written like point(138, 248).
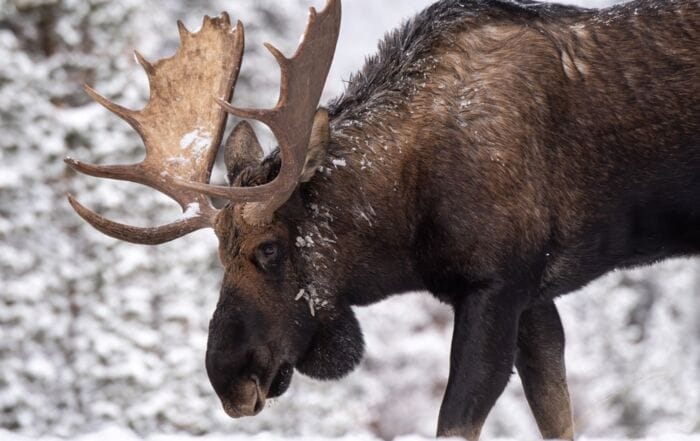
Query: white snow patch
point(340, 163)
point(193, 210)
point(197, 141)
point(10, 178)
point(305, 242)
point(181, 160)
point(310, 297)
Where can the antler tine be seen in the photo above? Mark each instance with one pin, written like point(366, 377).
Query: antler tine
point(131, 173)
point(181, 127)
point(119, 172)
point(142, 236)
point(127, 115)
point(303, 79)
point(147, 66)
point(261, 115)
point(182, 30)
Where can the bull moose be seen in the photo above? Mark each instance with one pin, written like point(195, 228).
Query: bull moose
point(497, 154)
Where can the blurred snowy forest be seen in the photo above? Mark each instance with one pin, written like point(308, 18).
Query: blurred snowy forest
point(96, 332)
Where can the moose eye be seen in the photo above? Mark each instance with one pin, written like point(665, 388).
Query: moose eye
point(269, 250)
point(268, 255)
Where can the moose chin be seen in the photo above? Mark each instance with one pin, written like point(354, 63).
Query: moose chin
point(497, 154)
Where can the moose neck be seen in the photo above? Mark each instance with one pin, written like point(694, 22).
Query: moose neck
point(357, 234)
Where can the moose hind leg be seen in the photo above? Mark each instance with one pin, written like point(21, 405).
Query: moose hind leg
point(540, 364)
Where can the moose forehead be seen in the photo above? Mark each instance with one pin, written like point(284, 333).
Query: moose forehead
point(236, 236)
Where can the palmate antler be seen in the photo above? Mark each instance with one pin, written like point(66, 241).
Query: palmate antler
point(303, 78)
point(181, 127)
point(183, 123)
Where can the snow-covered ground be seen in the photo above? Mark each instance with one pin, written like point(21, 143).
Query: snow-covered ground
point(121, 434)
point(96, 333)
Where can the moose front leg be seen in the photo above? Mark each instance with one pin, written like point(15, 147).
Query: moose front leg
point(481, 360)
point(540, 363)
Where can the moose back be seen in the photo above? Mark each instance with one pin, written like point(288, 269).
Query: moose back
point(496, 154)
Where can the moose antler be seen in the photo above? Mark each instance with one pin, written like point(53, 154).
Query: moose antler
point(183, 123)
point(302, 81)
point(181, 127)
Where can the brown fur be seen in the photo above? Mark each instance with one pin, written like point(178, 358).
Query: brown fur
point(498, 155)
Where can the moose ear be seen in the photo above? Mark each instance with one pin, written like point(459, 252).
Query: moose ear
point(318, 145)
point(241, 150)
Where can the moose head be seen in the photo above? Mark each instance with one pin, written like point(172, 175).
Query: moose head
point(261, 329)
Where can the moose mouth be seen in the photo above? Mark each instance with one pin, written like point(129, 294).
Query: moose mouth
point(248, 398)
point(281, 381)
point(251, 399)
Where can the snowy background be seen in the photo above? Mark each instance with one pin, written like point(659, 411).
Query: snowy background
point(95, 333)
